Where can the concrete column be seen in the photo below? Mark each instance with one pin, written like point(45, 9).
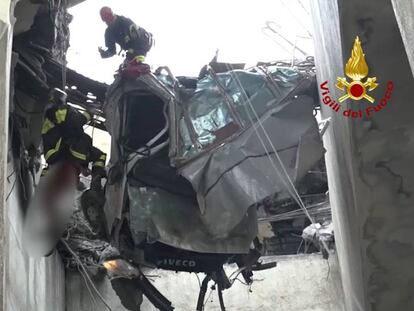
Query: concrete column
point(5, 58)
point(404, 12)
point(369, 159)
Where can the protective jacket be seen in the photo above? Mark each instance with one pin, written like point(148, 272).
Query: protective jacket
point(64, 138)
point(130, 37)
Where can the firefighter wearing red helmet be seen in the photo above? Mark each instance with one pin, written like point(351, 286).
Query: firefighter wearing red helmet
point(135, 40)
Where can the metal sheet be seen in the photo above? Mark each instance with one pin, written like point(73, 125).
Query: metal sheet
point(157, 215)
point(235, 174)
point(240, 173)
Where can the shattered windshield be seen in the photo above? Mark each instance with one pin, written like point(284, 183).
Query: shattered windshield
point(223, 104)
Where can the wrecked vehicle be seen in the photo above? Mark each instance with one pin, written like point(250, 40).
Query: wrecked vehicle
point(196, 164)
point(192, 160)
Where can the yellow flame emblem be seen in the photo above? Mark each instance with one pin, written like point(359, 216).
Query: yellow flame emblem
point(357, 69)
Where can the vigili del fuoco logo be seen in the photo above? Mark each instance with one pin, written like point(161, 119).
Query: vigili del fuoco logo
point(356, 88)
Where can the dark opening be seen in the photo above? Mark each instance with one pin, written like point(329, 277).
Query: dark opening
point(145, 119)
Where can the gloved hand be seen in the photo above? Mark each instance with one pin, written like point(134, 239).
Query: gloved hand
point(99, 172)
point(101, 51)
point(104, 53)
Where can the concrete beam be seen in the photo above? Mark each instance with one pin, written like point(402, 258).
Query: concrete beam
point(5, 60)
point(369, 159)
point(404, 12)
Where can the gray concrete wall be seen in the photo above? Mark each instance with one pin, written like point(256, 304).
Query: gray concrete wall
point(5, 59)
point(369, 160)
point(305, 283)
point(30, 284)
point(404, 12)
point(78, 297)
point(26, 284)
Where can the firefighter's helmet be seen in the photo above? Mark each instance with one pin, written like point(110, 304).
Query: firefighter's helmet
point(57, 96)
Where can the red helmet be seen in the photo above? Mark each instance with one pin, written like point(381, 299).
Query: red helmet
point(107, 15)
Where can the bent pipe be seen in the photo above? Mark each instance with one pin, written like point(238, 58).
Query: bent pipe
point(153, 295)
point(202, 294)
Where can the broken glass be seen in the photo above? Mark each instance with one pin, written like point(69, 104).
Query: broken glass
point(223, 104)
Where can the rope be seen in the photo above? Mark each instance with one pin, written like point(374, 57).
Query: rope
point(87, 287)
point(300, 245)
point(288, 185)
point(86, 273)
point(209, 295)
point(237, 272)
point(61, 11)
point(11, 190)
point(304, 8)
point(272, 29)
point(198, 279)
point(295, 17)
point(286, 178)
point(275, 41)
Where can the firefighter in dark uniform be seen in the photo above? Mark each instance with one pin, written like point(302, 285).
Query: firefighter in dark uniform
point(135, 40)
point(64, 138)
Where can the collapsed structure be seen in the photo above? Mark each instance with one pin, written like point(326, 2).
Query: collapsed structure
point(193, 160)
point(367, 159)
point(207, 150)
point(195, 164)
